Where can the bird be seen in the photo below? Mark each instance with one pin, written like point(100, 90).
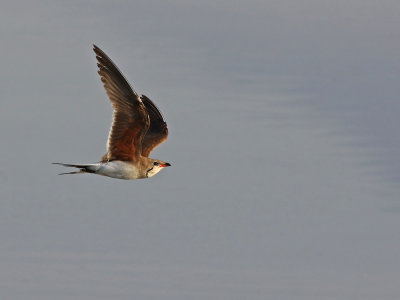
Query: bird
point(137, 128)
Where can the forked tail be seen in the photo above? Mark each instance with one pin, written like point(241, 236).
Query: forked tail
point(82, 168)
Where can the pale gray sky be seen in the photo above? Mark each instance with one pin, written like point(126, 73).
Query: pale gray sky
point(283, 119)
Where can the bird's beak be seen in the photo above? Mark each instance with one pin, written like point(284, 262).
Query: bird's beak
point(165, 165)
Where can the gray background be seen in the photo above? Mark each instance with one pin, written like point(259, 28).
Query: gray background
point(284, 139)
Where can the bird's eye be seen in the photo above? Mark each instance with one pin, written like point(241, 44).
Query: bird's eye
point(156, 163)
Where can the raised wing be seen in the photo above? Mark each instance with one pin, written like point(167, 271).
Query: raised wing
point(130, 121)
point(158, 130)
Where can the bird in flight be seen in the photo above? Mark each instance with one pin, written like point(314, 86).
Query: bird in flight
point(137, 128)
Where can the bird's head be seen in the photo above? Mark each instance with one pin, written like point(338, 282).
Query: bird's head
point(155, 166)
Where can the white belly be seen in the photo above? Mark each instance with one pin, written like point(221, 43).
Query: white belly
point(118, 169)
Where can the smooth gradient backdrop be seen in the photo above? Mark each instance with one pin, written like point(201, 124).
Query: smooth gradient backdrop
point(284, 144)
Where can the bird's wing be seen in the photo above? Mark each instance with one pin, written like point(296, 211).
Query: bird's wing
point(158, 130)
point(130, 121)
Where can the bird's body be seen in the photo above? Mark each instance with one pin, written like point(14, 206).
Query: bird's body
point(118, 169)
point(138, 127)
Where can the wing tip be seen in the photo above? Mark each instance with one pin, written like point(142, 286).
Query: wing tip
point(98, 51)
